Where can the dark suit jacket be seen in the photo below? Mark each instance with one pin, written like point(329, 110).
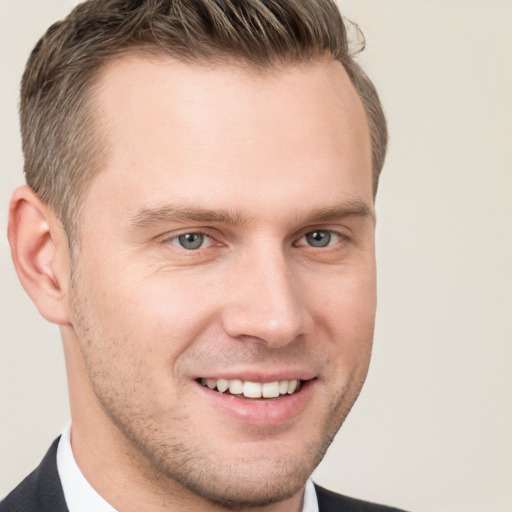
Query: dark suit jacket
point(41, 491)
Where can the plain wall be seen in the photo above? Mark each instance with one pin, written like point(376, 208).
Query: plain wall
point(432, 430)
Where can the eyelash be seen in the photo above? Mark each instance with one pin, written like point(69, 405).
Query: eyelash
point(329, 233)
point(174, 240)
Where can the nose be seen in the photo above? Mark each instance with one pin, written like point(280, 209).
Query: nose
point(265, 303)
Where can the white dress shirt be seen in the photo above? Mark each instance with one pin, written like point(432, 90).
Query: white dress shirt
point(81, 497)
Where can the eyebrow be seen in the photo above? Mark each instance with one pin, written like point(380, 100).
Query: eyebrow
point(352, 208)
point(147, 217)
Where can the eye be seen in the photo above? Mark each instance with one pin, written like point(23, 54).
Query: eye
point(319, 238)
point(192, 241)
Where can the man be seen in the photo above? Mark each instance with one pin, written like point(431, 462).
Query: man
point(198, 219)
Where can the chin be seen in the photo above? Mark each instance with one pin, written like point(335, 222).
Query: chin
point(239, 490)
point(243, 479)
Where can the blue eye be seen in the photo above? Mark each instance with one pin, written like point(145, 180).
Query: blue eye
point(190, 241)
point(320, 238)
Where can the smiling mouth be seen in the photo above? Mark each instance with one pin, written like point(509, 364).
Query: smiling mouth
point(249, 389)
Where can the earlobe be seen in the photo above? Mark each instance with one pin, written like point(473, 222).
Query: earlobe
point(40, 253)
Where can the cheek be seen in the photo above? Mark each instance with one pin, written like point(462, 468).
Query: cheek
point(344, 311)
point(171, 309)
point(144, 327)
point(128, 352)
point(346, 297)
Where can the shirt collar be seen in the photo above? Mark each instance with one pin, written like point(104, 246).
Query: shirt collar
point(310, 503)
point(81, 497)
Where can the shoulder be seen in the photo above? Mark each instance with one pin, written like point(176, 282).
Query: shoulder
point(41, 491)
point(329, 501)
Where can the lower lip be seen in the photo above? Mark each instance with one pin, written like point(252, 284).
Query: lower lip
point(261, 412)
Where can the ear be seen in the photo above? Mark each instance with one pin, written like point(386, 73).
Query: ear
point(39, 248)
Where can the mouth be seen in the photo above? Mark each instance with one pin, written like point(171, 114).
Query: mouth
point(253, 390)
point(259, 401)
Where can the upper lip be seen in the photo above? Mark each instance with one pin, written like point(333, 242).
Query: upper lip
point(260, 376)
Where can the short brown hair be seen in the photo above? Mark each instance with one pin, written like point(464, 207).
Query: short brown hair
point(60, 134)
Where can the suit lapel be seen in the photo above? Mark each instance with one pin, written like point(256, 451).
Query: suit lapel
point(41, 491)
point(49, 489)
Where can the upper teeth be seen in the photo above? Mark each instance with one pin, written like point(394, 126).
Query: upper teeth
point(253, 389)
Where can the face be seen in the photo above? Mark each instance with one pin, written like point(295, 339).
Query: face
point(223, 295)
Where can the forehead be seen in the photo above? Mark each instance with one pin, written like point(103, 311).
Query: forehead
point(144, 88)
point(220, 127)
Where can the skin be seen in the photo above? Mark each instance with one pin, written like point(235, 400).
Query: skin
point(254, 161)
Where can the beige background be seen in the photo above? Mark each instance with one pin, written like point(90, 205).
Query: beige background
point(433, 428)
